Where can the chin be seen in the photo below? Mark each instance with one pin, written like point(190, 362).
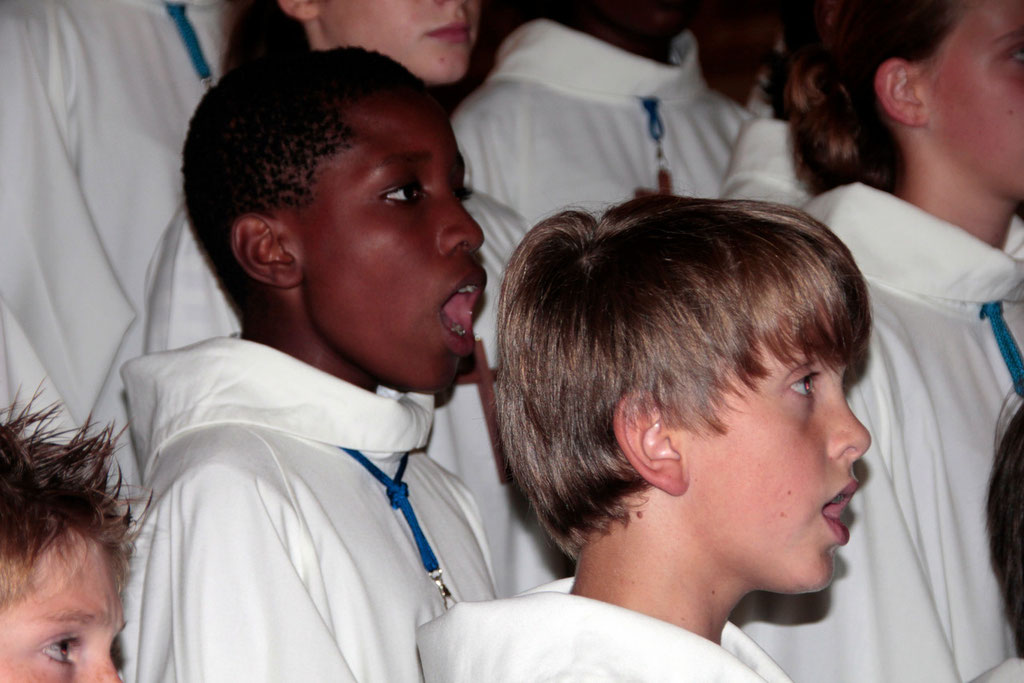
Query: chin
point(431, 384)
point(810, 580)
point(444, 70)
point(823, 576)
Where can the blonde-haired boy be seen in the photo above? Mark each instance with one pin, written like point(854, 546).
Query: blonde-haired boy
point(64, 547)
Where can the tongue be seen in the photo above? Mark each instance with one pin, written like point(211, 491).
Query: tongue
point(458, 312)
point(833, 510)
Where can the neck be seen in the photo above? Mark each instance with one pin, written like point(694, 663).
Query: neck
point(266, 321)
point(588, 20)
point(936, 186)
point(989, 221)
point(636, 566)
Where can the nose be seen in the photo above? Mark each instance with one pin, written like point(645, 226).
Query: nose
point(467, 9)
point(460, 232)
point(852, 438)
point(104, 672)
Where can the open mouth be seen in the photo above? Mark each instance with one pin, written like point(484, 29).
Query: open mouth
point(457, 315)
point(834, 508)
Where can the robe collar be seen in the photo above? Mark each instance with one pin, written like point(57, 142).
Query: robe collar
point(551, 54)
point(904, 247)
point(233, 381)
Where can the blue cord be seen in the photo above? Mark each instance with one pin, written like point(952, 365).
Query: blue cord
point(993, 310)
point(398, 495)
point(655, 126)
point(188, 36)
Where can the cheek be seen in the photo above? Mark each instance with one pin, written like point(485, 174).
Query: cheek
point(378, 26)
point(792, 485)
point(978, 112)
point(473, 12)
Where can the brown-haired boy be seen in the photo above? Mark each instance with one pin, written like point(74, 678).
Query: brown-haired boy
point(671, 400)
point(64, 546)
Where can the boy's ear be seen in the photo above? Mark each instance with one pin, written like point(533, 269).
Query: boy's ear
point(900, 90)
point(260, 246)
point(300, 10)
point(655, 451)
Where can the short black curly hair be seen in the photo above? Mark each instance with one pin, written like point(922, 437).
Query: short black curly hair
point(259, 138)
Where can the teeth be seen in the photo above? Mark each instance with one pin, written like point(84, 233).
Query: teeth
point(468, 289)
point(458, 329)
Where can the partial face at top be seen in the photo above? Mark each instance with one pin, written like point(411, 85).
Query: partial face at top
point(976, 99)
point(431, 38)
point(772, 487)
point(389, 277)
point(64, 629)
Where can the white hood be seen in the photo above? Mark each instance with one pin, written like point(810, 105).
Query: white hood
point(226, 380)
point(920, 253)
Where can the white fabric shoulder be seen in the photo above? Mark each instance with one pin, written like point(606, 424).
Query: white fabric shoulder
point(1010, 671)
point(762, 166)
point(904, 247)
point(222, 504)
point(550, 54)
point(547, 634)
point(254, 502)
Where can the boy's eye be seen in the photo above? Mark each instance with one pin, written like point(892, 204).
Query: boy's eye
point(804, 386)
point(406, 193)
point(463, 193)
point(60, 650)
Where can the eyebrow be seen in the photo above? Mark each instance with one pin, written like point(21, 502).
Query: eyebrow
point(402, 157)
point(77, 616)
point(1012, 36)
point(72, 615)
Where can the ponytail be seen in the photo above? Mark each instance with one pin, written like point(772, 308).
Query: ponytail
point(835, 141)
point(838, 135)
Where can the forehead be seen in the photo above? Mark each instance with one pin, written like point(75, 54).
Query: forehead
point(985, 21)
point(75, 585)
point(398, 118)
point(386, 128)
point(389, 130)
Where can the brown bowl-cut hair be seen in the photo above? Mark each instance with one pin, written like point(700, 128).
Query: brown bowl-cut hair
point(57, 495)
point(662, 303)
